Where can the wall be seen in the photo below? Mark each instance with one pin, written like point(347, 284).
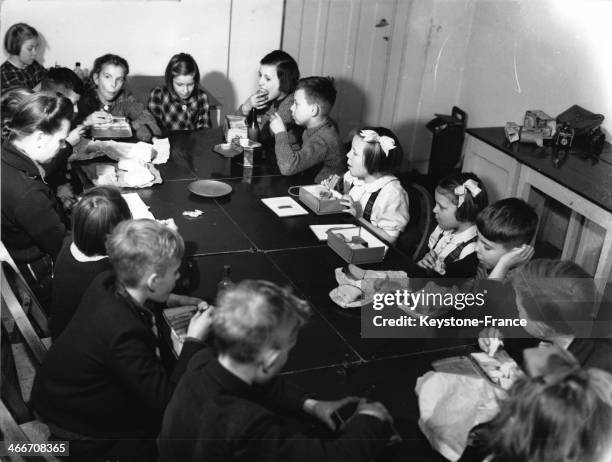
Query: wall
point(546, 54)
point(396, 76)
point(148, 33)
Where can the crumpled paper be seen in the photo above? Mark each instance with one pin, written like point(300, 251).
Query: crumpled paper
point(450, 405)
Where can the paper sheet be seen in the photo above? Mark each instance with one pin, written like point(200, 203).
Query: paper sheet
point(138, 208)
point(284, 206)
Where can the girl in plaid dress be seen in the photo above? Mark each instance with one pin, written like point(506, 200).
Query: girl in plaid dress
point(181, 104)
point(21, 68)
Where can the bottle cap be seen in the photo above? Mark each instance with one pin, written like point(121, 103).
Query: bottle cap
point(77, 63)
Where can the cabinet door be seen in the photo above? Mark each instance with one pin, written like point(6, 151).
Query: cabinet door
point(498, 171)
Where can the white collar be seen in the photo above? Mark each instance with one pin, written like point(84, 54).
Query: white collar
point(465, 235)
point(373, 186)
point(81, 257)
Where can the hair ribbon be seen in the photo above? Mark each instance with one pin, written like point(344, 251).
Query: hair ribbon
point(386, 143)
point(469, 185)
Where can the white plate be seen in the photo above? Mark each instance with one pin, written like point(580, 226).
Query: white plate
point(210, 188)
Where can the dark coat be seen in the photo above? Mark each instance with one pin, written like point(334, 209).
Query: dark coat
point(102, 378)
point(33, 223)
point(214, 415)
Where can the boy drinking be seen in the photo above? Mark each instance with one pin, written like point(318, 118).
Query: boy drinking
point(321, 144)
point(225, 407)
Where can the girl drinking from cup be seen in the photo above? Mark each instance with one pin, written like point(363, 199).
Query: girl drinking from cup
point(106, 98)
point(181, 104)
point(371, 191)
point(21, 68)
point(278, 77)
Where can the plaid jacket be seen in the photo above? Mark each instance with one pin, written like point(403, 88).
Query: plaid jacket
point(172, 113)
point(28, 77)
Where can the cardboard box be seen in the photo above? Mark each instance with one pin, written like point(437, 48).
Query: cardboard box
point(235, 127)
point(356, 245)
point(178, 320)
point(311, 197)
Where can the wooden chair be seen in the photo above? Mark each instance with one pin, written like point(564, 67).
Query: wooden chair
point(28, 300)
point(414, 238)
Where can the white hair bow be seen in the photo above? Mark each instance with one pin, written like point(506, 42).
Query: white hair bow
point(386, 143)
point(469, 185)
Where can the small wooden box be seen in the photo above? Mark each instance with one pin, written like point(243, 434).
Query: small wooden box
point(340, 241)
point(311, 197)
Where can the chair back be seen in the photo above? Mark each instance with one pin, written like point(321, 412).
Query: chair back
point(12, 305)
point(413, 240)
point(26, 296)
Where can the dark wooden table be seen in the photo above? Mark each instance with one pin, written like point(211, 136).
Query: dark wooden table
point(330, 358)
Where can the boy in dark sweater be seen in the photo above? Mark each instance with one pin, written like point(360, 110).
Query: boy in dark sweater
point(102, 385)
point(225, 407)
point(321, 143)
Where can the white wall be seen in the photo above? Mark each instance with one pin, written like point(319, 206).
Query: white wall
point(545, 54)
point(218, 33)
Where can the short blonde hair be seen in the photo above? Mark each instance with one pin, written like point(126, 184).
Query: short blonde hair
point(138, 247)
point(254, 315)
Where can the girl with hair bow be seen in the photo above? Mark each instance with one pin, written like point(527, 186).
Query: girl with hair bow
point(452, 245)
point(371, 191)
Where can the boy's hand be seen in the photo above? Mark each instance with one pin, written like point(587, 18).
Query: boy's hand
point(323, 410)
point(352, 207)
point(75, 135)
point(276, 124)
point(200, 323)
point(182, 300)
point(517, 256)
point(489, 340)
point(66, 196)
point(375, 409)
point(428, 261)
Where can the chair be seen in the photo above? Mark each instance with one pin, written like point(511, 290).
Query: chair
point(413, 240)
point(29, 301)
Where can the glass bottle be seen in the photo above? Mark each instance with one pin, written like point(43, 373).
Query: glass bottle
point(79, 71)
point(226, 281)
point(253, 128)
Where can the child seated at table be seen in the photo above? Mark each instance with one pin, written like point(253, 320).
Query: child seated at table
point(106, 98)
point(278, 77)
point(21, 68)
point(558, 412)
point(321, 143)
point(228, 404)
point(557, 299)
point(83, 255)
point(371, 191)
point(181, 104)
point(102, 384)
point(452, 245)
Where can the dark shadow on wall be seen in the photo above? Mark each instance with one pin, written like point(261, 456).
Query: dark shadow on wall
point(351, 105)
point(221, 92)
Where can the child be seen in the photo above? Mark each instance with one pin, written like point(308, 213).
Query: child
point(21, 68)
point(278, 77)
point(106, 98)
point(228, 405)
point(452, 245)
point(321, 144)
point(83, 255)
point(63, 80)
point(101, 384)
point(557, 298)
point(10, 100)
point(181, 104)
point(560, 413)
point(371, 191)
